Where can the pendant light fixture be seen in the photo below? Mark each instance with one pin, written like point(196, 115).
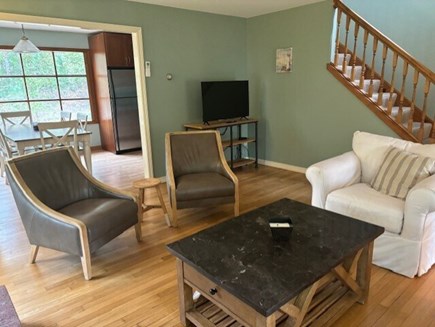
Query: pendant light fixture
point(24, 45)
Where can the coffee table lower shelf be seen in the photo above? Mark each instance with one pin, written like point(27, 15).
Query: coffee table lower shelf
point(329, 303)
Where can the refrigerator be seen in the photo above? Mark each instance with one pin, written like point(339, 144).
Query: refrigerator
point(125, 115)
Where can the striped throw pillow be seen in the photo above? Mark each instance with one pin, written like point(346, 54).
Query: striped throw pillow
point(400, 171)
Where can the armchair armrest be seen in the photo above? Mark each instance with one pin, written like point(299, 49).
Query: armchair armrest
point(420, 201)
point(332, 174)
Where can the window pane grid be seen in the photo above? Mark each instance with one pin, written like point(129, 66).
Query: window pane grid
point(70, 87)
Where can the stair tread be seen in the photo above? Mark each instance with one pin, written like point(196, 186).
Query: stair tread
point(395, 110)
point(427, 127)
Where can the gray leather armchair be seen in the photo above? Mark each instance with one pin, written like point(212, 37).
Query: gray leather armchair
point(64, 208)
point(197, 173)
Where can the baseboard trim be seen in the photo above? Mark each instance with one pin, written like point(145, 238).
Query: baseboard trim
point(274, 164)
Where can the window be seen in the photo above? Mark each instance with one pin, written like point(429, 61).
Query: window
point(45, 83)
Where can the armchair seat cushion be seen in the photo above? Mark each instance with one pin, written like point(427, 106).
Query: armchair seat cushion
point(203, 185)
point(105, 218)
point(362, 202)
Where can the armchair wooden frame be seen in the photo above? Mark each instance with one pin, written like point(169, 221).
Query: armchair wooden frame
point(171, 178)
point(86, 255)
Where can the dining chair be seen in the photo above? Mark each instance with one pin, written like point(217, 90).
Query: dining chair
point(16, 118)
point(65, 115)
point(58, 134)
point(6, 153)
point(82, 120)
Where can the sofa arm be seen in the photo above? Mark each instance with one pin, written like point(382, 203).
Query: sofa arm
point(332, 174)
point(420, 201)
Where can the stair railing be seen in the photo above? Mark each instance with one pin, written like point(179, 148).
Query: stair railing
point(418, 86)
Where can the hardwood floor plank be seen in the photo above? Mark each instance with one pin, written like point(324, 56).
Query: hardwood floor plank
point(135, 283)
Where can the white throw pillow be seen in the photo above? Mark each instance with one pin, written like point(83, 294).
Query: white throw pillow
point(400, 171)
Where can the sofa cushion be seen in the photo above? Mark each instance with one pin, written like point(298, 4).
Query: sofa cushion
point(362, 202)
point(400, 171)
point(203, 185)
point(371, 149)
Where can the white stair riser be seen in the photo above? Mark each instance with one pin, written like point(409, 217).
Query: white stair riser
point(406, 112)
point(416, 128)
point(348, 74)
point(341, 57)
point(376, 84)
point(385, 98)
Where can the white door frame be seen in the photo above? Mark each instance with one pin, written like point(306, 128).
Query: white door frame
point(138, 53)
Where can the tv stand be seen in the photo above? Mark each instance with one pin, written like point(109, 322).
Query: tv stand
point(234, 143)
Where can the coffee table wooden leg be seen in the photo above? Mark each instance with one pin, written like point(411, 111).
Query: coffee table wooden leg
point(357, 276)
point(364, 272)
point(262, 321)
point(298, 308)
point(185, 294)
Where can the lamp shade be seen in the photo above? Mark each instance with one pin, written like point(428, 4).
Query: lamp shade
point(24, 45)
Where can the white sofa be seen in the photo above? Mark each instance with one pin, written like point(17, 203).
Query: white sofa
point(342, 184)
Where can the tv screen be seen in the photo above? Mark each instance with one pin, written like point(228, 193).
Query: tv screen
point(224, 100)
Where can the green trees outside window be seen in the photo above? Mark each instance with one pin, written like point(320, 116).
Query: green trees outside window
point(45, 83)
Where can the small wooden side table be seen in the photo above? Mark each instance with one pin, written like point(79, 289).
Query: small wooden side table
point(147, 183)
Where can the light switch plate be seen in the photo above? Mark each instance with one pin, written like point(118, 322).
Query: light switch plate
point(147, 68)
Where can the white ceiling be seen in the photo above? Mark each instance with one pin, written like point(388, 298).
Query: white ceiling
point(239, 8)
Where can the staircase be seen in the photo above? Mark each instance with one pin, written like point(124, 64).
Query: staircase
point(389, 81)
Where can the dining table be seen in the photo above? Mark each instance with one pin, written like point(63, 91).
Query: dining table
point(25, 136)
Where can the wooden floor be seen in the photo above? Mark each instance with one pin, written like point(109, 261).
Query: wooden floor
point(134, 283)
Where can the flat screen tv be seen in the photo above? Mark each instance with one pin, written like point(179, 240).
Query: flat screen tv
point(224, 100)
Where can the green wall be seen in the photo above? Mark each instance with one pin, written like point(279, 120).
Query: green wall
point(410, 24)
point(192, 46)
point(306, 115)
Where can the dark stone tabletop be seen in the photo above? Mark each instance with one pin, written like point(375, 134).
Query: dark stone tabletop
point(241, 256)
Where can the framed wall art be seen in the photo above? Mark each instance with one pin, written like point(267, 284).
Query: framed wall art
point(284, 60)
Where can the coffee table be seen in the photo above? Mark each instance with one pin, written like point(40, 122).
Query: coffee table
point(245, 276)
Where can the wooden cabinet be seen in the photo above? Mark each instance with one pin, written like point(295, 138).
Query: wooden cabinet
point(108, 50)
point(235, 141)
point(119, 50)
point(116, 48)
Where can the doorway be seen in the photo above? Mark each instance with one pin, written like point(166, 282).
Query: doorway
point(136, 33)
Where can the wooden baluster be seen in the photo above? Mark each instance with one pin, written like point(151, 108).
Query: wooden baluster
point(402, 92)
point(414, 92)
point(424, 113)
point(355, 34)
point(363, 70)
point(393, 76)
point(345, 44)
point(337, 37)
point(381, 86)
point(372, 75)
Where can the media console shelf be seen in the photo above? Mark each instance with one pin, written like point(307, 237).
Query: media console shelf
point(234, 143)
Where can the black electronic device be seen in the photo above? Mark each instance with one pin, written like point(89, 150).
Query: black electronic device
point(281, 228)
point(224, 100)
